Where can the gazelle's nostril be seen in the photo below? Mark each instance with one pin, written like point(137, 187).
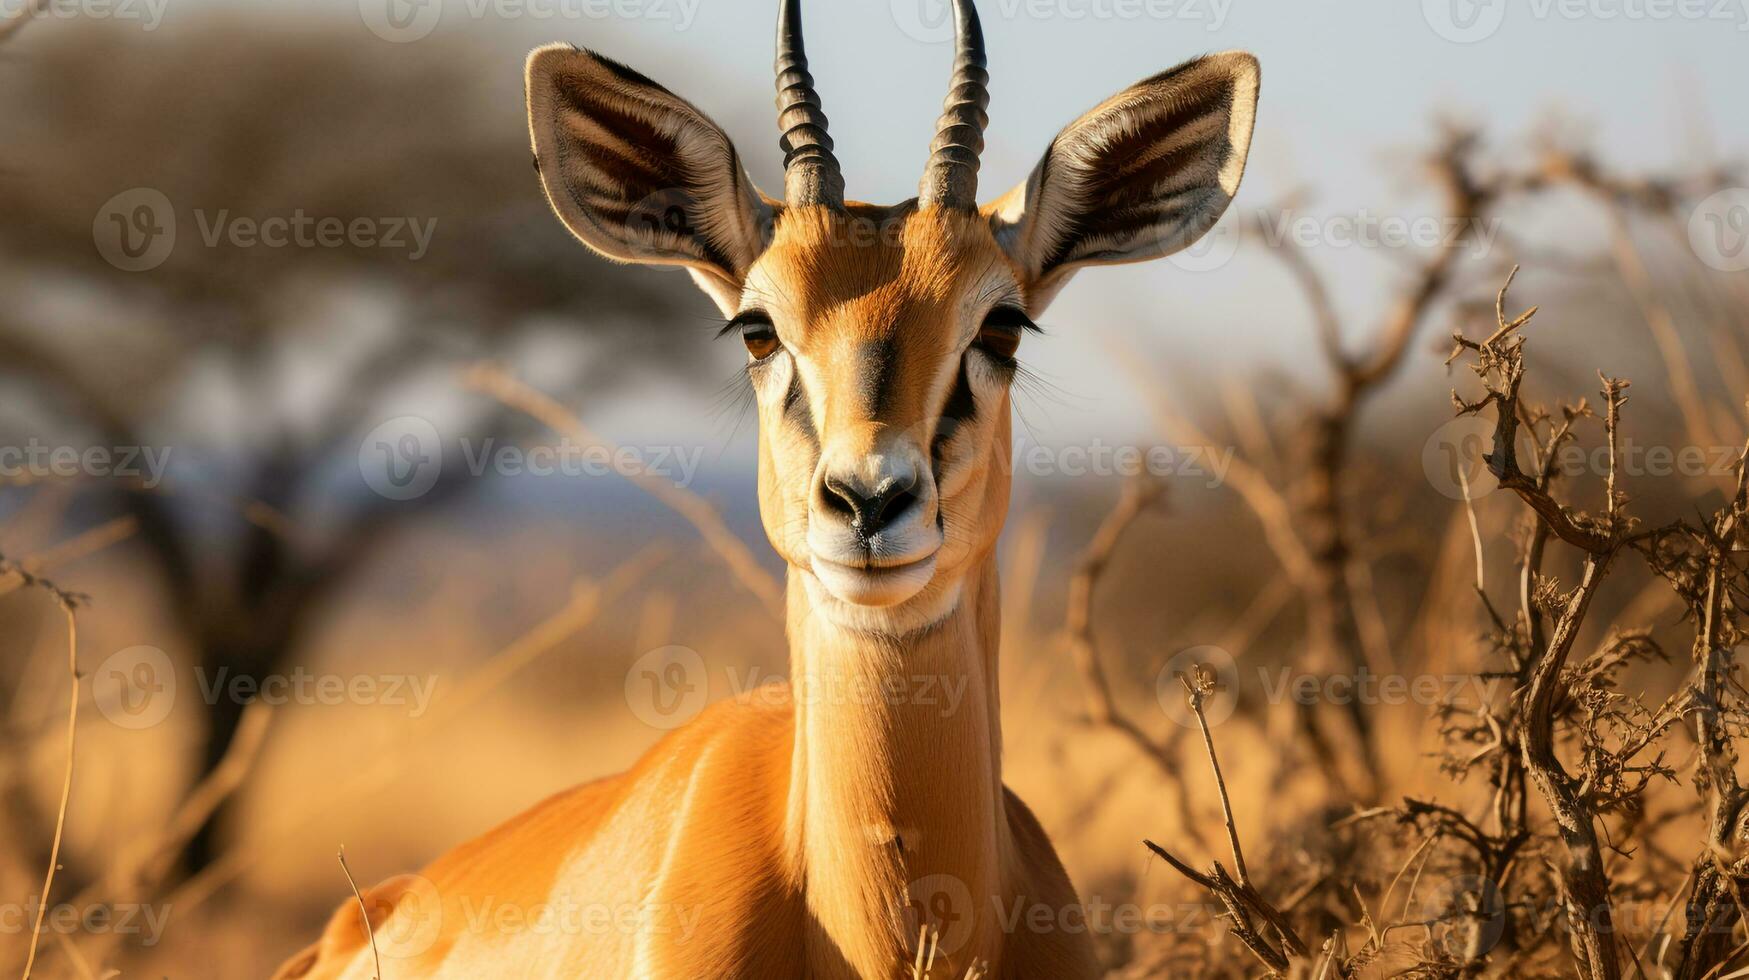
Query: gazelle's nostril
point(837, 496)
point(895, 503)
point(869, 511)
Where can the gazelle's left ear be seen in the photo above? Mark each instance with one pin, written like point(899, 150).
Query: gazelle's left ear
point(1143, 175)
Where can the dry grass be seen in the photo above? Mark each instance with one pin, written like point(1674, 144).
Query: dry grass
point(1589, 748)
point(1541, 821)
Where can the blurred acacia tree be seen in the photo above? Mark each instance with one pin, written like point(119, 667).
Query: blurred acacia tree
point(261, 366)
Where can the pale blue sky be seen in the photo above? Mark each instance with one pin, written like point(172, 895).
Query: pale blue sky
point(1349, 92)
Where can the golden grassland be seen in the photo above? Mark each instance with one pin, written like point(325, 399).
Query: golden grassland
point(569, 609)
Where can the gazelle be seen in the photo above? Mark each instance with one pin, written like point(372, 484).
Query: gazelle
point(780, 836)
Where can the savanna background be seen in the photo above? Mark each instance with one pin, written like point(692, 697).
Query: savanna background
point(287, 494)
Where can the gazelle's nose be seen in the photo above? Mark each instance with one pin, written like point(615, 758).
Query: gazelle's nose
point(873, 527)
point(869, 504)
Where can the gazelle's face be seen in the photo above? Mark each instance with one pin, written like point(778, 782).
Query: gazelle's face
point(881, 343)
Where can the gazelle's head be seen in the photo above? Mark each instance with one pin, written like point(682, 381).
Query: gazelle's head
point(881, 340)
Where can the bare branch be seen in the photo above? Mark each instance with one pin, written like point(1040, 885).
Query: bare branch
point(1241, 899)
point(694, 508)
point(66, 604)
point(370, 931)
point(9, 28)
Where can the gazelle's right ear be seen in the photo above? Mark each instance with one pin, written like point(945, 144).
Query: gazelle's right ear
point(640, 175)
point(1144, 174)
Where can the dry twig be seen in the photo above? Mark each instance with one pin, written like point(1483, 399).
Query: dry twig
point(370, 931)
point(66, 602)
point(1240, 898)
point(694, 508)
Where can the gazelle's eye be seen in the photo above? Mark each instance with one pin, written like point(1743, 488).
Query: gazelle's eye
point(757, 333)
point(999, 337)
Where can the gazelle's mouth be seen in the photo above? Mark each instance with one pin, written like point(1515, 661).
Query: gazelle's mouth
point(868, 584)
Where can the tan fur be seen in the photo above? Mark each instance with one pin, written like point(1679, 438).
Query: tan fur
point(814, 828)
point(809, 836)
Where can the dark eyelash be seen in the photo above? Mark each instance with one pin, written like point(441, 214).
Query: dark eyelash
point(745, 319)
point(1011, 317)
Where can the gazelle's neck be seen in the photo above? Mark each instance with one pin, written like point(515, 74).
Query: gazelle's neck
point(896, 810)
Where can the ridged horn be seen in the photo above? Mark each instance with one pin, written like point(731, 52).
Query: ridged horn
point(810, 171)
point(950, 179)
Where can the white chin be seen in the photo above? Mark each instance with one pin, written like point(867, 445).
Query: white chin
point(877, 587)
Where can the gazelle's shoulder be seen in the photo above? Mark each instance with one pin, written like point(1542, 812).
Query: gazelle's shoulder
point(757, 720)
